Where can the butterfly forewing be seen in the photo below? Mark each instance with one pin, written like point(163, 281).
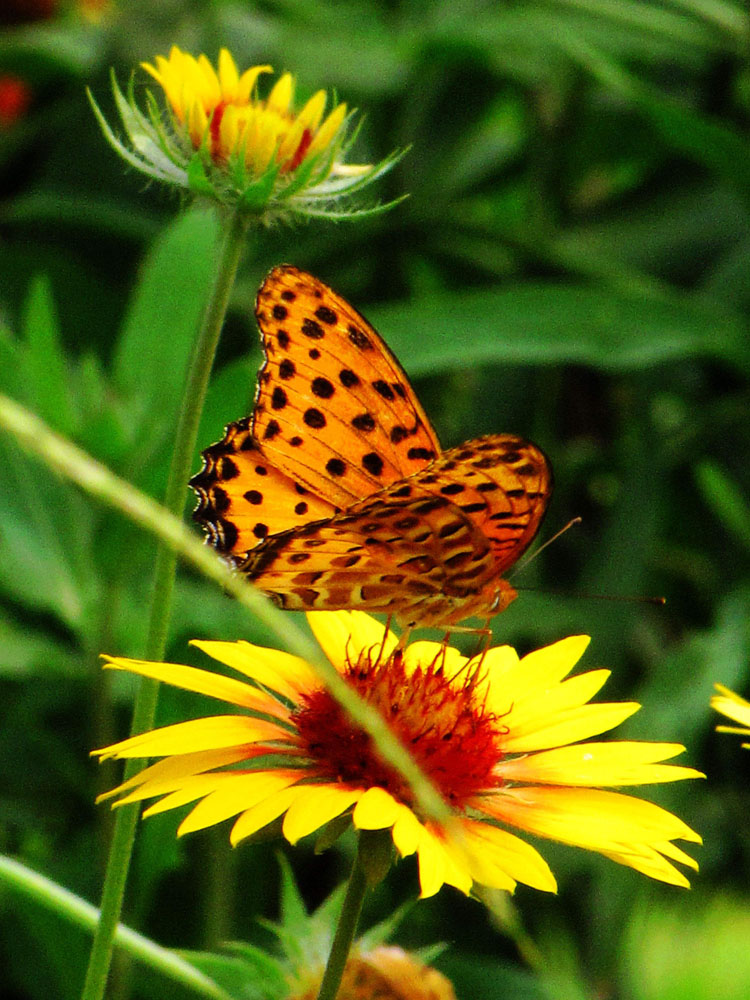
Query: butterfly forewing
point(334, 409)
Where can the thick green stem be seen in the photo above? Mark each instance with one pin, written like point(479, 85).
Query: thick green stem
point(346, 929)
point(118, 863)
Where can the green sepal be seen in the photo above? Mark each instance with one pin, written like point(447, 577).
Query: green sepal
point(198, 179)
point(375, 855)
point(330, 833)
point(256, 195)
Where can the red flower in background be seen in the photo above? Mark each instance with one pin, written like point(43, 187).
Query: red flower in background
point(23, 11)
point(15, 97)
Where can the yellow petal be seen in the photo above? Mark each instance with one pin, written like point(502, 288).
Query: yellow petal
point(264, 144)
point(670, 850)
point(570, 693)
point(228, 76)
point(376, 810)
point(197, 123)
point(328, 129)
point(236, 793)
point(262, 814)
point(423, 653)
point(290, 142)
point(210, 733)
point(310, 115)
point(248, 80)
point(406, 832)
point(282, 93)
point(622, 763)
point(166, 775)
point(352, 632)
point(499, 859)
point(314, 806)
point(459, 869)
point(157, 72)
point(282, 672)
point(202, 682)
point(510, 682)
point(650, 863)
point(230, 130)
point(568, 727)
point(588, 817)
point(500, 662)
point(192, 789)
point(438, 866)
point(208, 82)
point(731, 705)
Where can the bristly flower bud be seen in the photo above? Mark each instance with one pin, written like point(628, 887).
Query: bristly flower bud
point(218, 138)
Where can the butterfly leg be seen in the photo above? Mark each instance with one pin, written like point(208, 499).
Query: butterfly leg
point(404, 637)
point(484, 635)
point(485, 639)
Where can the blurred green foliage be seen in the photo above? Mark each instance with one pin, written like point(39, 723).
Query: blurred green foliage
point(571, 265)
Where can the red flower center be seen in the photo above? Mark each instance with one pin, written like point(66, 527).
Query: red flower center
point(299, 154)
point(442, 722)
point(214, 126)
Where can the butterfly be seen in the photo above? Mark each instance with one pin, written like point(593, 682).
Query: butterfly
point(335, 493)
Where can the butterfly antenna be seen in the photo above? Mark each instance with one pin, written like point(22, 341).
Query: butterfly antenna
point(584, 595)
point(525, 562)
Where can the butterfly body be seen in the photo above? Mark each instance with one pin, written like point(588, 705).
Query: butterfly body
point(336, 494)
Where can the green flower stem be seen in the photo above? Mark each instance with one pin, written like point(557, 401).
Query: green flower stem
point(144, 710)
point(346, 928)
point(187, 426)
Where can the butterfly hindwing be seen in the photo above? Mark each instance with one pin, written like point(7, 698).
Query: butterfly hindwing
point(423, 548)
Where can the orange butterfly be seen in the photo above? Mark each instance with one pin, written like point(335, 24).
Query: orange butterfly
point(336, 494)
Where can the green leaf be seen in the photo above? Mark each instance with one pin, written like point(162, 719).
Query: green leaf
point(256, 195)
point(34, 654)
point(162, 319)
point(249, 975)
point(294, 916)
point(726, 499)
point(14, 379)
point(554, 323)
point(45, 360)
point(706, 140)
point(46, 544)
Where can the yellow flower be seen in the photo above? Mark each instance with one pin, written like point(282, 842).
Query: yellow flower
point(222, 110)
point(499, 736)
point(735, 708)
point(219, 138)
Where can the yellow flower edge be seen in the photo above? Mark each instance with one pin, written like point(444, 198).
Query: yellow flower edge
point(726, 702)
